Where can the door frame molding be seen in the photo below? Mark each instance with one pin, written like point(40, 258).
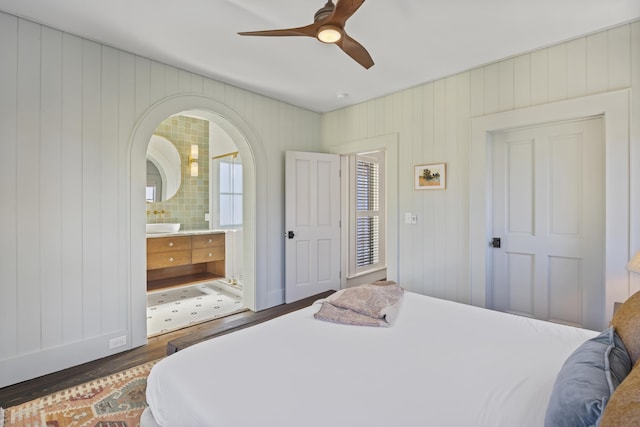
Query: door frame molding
point(256, 195)
point(389, 144)
point(614, 107)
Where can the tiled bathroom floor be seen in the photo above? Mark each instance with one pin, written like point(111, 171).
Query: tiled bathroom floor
point(169, 310)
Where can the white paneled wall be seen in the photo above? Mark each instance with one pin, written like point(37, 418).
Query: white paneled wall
point(68, 111)
point(433, 123)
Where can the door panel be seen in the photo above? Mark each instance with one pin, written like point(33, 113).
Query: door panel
point(548, 205)
point(312, 214)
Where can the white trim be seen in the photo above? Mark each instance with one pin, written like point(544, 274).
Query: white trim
point(614, 106)
point(378, 157)
point(389, 144)
point(256, 194)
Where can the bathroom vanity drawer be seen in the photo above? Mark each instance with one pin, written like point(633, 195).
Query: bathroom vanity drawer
point(207, 254)
point(165, 244)
point(207, 241)
point(168, 259)
point(187, 258)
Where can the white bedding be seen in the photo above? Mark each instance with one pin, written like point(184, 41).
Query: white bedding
point(441, 364)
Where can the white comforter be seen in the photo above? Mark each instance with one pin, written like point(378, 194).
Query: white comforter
point(441, 364)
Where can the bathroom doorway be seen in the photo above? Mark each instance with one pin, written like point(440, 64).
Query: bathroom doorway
point(194, 234)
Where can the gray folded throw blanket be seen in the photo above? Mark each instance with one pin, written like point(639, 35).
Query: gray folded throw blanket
point(374, 304)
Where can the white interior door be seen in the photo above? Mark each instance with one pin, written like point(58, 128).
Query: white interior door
point(548, 211)
point(312, 224)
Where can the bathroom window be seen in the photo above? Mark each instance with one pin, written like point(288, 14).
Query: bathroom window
point(151, 194)
point(230, 196)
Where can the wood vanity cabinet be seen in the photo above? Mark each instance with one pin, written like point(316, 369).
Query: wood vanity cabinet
point(179, 260)
point(168, 252)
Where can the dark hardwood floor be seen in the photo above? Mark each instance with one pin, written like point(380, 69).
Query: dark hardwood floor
point(156, 348)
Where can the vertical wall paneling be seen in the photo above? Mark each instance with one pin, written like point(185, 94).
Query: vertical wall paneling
point(424, 276)
point(619, 58)
point(157, 81)
point(521, 81)
point(439, 211)
point(434, 257)
point(49, 164)
point(133, 299)
point(170, 80)
point(452, 228)
point(197, 83)
point(576, 68)
point(477, 92)
point(462, 186)
point(184, 81)
point(92, 196)
point(557, 72)
point(8, 189)
point(597, 63)
point(506, 95)
point(111, 291)
point(70, 264)
point(419, 156)
point(539, 77)
point(97, 96)
point(71, 188)
point(28, 187)
point(405, 259)
point(492, 88)
point(142, 95)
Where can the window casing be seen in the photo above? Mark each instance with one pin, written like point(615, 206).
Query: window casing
point(367, 213)
point(228, 193)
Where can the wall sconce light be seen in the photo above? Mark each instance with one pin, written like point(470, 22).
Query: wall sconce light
point(193, 160)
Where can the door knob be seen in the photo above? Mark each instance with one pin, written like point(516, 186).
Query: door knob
point(290, 235)
point(495, 242)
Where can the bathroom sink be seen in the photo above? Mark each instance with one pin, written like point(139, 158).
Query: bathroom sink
point(163, 227)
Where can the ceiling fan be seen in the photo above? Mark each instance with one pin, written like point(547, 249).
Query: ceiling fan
point(328, 27)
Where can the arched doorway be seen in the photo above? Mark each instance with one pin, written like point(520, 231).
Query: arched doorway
point(251, 151)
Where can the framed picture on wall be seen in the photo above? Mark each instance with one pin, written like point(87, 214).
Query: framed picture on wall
point(430, 177)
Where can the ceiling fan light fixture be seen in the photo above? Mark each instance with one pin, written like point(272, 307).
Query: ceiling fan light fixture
point(329, 34)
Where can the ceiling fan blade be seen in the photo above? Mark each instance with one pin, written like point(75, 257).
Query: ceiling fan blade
point(308, 30)
point(343, 11)
point(356, 51)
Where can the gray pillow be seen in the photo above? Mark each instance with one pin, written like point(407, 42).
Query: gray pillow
point(586, 381)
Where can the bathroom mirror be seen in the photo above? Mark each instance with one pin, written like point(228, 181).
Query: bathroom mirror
point(163, 170)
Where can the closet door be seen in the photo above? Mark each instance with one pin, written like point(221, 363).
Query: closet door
point(548, 205)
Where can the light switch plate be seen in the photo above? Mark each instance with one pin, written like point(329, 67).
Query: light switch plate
point(410, 218)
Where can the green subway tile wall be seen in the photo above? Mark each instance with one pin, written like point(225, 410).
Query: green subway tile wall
point(191, 202)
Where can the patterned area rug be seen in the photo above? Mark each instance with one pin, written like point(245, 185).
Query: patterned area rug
point(113, 401)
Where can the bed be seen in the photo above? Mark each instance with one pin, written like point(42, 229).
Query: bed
point(441, 363)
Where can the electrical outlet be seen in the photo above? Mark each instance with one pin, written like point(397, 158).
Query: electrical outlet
point(118, 342)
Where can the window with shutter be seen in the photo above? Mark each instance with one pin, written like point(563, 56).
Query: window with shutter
point(367, 236)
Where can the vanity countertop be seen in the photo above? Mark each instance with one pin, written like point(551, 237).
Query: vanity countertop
point(185, 233)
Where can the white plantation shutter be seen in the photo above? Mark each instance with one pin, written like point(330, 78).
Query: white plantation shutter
point(367, 236)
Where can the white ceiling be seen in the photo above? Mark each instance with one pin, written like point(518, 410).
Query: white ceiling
point(411, 41)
